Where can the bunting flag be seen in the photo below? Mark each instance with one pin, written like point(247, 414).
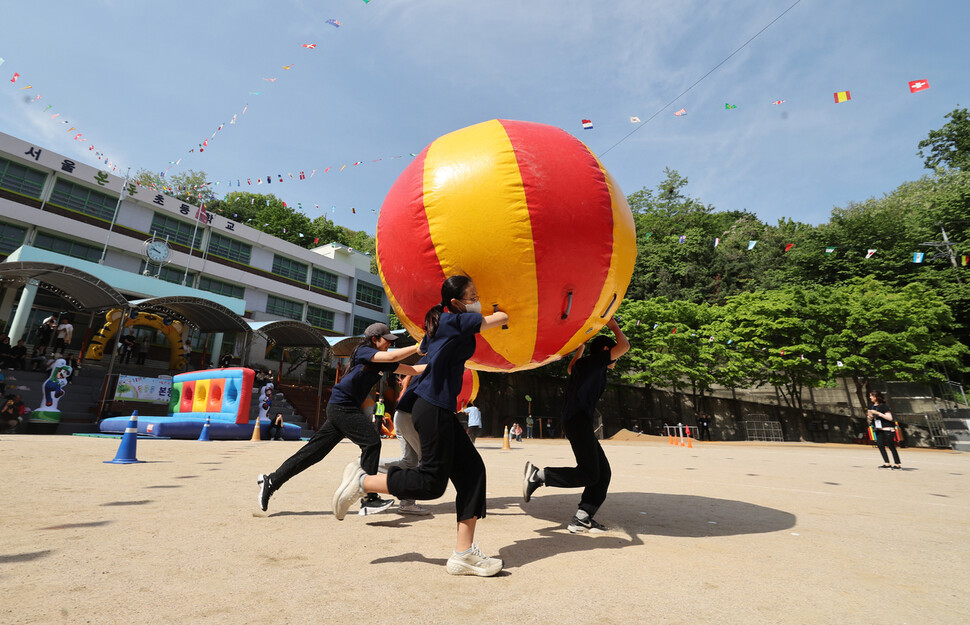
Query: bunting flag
point(965, 260)
point(918, 257)
point(587, 124)
point(730, 106)
point(839, 363)
point(842, 96)
point(634, 120)
point(309, 46)
point(717, 241)
point(918, 85)
point(333, 23)
point(681, 112)
point(777, 102)
point(789, 246)
point(829, 250)
point(870, 253)
point(751, 244)
point(683, 238)
point(15, 77)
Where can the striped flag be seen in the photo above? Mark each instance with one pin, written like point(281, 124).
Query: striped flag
point(683, 238)
point(717, 241)
point(309, 46)
point(965, 260)
point(918, 257)
point(829, 250)
point(870, 253)
point(681, 112)
point(842, 96)
point(730, 106)
point(587, 124)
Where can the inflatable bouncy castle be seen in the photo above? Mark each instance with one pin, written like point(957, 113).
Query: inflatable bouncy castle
point(221, 395)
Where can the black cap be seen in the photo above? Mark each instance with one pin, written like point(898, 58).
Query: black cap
point(375, 330)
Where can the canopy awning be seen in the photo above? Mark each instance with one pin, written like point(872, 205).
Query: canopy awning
point(81, 289)
point(290, 333)
point(206, 315)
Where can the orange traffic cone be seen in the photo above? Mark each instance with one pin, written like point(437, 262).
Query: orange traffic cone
point(505, 439)
point(256, 437)
point(689, 445)
point(670, 435)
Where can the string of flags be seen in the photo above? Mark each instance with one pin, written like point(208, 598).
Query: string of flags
point(918, 257)
point(78, 136)
point(839, 96)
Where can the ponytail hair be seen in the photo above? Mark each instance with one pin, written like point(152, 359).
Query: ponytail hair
point(452, 288)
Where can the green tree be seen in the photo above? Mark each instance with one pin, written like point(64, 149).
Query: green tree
point(189, 186)
point(948, 146)
point(891, 333)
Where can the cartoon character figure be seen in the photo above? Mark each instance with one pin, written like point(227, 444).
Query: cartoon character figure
point(265, 400)
point(54, 385)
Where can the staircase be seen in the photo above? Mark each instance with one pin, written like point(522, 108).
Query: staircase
point(291, 414)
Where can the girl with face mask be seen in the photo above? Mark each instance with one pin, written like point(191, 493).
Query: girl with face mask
point(446, 451)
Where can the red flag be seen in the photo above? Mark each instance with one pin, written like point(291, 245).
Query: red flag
point(316, 240)
point(309, 46)
point(789, 246)
point(353, 210)
point(15, 77)
point(918, 85)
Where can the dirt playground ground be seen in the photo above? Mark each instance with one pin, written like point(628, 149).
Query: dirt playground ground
point(722, 533)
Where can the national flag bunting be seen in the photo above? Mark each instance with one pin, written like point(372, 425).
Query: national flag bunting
point(842, 96)
point(683, 238)
point(777, 102)
point(634, 120)
point(918, 257)
point(717, 241)
point(730, 106)
point(918, 85)
point(789, 246)
point(681, 112)
point(870, 253)
point(829, 250)
point(587, 124)
point(309, 46)
point(751, 244)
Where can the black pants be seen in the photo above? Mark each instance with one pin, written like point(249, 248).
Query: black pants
point(592, 469)
point(473, 432)
point(277, 428)
point(704, 431)
point(342, 421)
point(446, 454)
point(887, 438)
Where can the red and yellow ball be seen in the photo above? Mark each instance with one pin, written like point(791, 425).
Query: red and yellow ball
point(529, 213)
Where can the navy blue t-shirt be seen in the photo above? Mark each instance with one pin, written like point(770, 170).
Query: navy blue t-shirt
point(352, 389)
point(586, 384)
point(405, 402)
point(452, 344)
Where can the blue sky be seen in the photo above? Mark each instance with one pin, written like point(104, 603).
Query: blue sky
point(146, 82)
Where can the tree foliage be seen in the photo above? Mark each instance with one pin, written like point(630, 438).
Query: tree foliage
point(948, 146)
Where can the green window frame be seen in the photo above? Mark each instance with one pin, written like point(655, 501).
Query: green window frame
point(11, 237)
point(67, 247)
point(284, 307)
point(370, 294)
point(221, 288)
point(289, 268)
point(176, 230)
point(320, 317)
point(360, 324)
point(21, 179)
point(166, 273)
point(230, 248)
point(83, 200)
point(324, 280)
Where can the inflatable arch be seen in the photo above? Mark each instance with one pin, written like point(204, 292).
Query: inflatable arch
point(170, 328)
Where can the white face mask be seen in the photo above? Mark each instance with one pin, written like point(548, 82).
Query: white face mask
point(474, 307)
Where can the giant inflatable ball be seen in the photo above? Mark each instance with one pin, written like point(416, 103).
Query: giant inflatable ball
point(531, 216)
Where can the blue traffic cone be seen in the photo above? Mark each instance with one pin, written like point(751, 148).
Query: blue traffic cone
point(126, 450)
point(204, 435)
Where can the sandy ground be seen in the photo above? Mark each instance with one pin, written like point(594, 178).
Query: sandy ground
point(721, 533)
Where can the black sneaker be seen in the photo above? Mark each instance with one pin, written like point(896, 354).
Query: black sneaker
point(265, 490)
point(897, 467)
point(577, 526)
point(530, 481)
point(884, 466)
point(372, 504)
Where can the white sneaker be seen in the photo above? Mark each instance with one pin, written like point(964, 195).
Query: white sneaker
point(348, 491)
point(474, 562)
point(408, 506)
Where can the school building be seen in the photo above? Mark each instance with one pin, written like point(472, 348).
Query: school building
point(151, 248)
